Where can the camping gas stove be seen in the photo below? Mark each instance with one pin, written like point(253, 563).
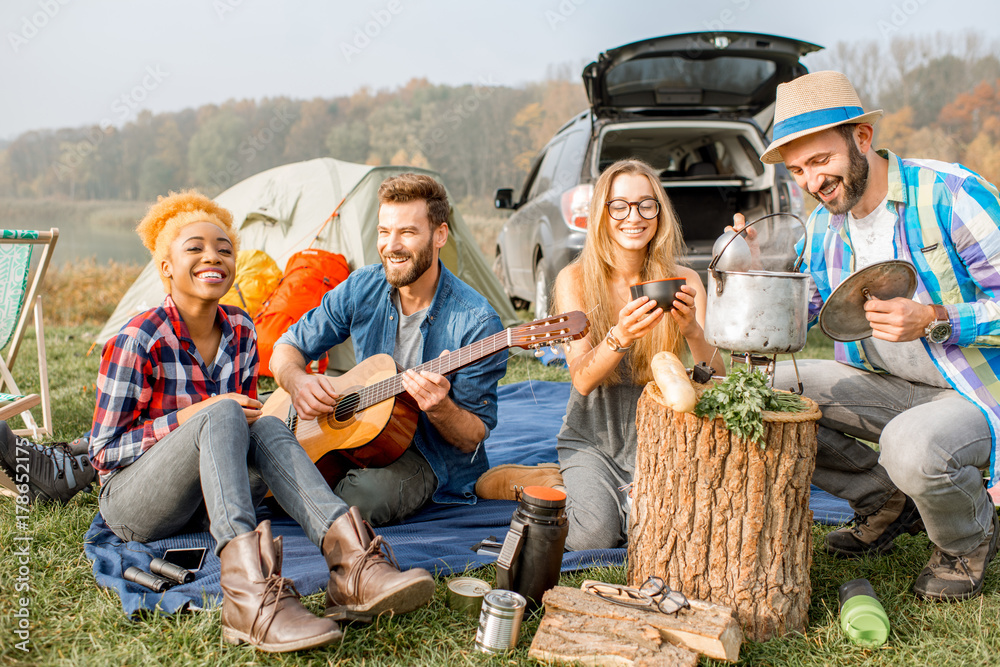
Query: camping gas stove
point(766, 363)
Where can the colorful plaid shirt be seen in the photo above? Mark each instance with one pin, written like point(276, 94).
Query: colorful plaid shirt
point(152, 369)
point(948, 226)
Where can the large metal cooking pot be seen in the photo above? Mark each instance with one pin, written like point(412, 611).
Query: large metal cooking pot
point(763, 312)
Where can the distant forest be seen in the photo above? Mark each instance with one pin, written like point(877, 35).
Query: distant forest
point(941, 95)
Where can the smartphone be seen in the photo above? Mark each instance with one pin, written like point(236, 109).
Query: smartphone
point(189, 558)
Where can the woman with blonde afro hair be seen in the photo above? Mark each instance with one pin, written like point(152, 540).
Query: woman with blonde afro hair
point(165, 219)
point(180, 442)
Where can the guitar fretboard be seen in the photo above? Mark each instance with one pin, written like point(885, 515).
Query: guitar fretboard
point(449, 363)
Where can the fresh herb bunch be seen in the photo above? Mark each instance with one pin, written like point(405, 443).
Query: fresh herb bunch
point(741, 400)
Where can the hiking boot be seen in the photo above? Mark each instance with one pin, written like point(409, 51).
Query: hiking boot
point(504, 481)
point(948, 577)
point(51, 471)
point(364, 582)
point(259, 606)
point(874, 533)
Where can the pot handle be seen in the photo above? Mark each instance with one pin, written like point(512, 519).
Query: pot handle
point(798, 261)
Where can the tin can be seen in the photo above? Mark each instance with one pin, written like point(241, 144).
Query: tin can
point(466, 594)
point(499, 621)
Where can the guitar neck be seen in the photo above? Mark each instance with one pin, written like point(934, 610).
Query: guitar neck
point(443, 365)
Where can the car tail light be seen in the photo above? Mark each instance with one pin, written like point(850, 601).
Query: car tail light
point(576, 205)
point(790, 199)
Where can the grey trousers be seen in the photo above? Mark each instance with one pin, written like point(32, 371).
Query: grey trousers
point(932, 443)
point(390, 494)
point(216, 460)
point(596, 510)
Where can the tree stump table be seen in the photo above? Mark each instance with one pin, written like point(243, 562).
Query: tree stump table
point(723, 519)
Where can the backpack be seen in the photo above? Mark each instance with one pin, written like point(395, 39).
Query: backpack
point(257, 276)
point(309, 275)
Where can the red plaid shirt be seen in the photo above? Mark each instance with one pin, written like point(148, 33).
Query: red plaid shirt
point(152, 369)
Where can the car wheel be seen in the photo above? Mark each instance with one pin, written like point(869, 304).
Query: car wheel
point(499, 270)
point(542, 290)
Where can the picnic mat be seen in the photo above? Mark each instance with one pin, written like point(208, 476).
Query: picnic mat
point(440, 538)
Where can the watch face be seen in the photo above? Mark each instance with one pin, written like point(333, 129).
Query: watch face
point(939, 333)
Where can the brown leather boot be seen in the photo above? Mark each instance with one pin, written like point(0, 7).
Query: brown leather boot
point(261, 607)
point(363, 581)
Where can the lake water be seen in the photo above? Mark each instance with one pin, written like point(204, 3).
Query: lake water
point(81, 240)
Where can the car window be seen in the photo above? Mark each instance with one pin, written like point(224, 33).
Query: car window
point(571, 161)
point(546, 170)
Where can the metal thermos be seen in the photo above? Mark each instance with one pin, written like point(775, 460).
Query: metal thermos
point(532, 552)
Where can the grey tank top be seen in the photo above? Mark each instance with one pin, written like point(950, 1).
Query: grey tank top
point(604, 420)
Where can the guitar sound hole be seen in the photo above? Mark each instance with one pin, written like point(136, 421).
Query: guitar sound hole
point(346, 407)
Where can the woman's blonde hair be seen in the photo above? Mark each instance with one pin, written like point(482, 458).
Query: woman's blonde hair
point(599, 259)
point(166, 218)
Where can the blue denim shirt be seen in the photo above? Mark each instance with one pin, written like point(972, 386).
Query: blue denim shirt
point(362, 308)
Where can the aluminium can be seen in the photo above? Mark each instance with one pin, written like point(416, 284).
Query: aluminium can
point(466, 594)
point(499, 621)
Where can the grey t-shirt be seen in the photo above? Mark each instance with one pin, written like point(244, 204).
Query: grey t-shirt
point(409, 343)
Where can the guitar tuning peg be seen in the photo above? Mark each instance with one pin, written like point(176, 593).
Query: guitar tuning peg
point(539, 353)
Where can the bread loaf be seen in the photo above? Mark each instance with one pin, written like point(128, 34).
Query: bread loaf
point(672, 379)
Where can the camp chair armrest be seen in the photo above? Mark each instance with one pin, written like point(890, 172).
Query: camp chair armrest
point(20, 405)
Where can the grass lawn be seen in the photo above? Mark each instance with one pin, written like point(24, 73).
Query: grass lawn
point(73, 622)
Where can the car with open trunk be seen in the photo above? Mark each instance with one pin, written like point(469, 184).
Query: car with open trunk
point(699, 108)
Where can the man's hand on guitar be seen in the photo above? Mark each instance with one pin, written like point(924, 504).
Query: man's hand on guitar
point(427, 389)
point(313, 396)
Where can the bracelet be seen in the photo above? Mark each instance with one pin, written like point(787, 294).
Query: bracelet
point(612, 341)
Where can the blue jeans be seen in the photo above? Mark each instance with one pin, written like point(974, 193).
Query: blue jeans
point(217, 460)
point(932, 443)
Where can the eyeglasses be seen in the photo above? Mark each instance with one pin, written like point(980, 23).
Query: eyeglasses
point(652, 594)
point(619, 208)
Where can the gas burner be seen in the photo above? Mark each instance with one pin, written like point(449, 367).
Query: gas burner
point(766, 363)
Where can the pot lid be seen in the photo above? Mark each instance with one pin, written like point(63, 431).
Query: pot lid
point(842, 317)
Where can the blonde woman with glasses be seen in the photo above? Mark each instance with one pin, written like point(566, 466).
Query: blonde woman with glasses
point(633, 237)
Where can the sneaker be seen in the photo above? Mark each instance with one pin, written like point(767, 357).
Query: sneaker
point(874, 533)
point(503, 482)
point(53, 472)
point(948, 577)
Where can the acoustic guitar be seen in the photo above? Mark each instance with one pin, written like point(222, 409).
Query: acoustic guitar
point(374, 419)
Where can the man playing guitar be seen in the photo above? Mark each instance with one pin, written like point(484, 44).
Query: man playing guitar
point(411, 307)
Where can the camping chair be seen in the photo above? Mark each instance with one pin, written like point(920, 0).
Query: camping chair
point(16, 247)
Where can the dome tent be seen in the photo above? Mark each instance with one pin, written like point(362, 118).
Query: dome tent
point(288, 208)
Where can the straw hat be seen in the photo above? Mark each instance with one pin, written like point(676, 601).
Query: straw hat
point(812, 103)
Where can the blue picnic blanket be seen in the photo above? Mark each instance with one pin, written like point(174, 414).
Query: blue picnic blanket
point(440, 538)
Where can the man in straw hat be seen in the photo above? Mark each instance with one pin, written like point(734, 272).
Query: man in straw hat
point(924, 385)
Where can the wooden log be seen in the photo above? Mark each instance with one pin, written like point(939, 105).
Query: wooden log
point(723, 519)
point(580, 627)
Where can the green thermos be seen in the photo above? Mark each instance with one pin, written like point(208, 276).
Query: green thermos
point(862, 616)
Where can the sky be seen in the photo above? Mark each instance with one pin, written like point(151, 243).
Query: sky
point(68, 63)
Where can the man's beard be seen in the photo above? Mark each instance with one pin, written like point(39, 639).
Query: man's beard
point(855, 183)
point(421, 261)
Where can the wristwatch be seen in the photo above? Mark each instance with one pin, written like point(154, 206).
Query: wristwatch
point(939, 330)
point(612, 341)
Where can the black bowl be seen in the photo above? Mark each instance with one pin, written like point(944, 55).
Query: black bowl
point(660, 291)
